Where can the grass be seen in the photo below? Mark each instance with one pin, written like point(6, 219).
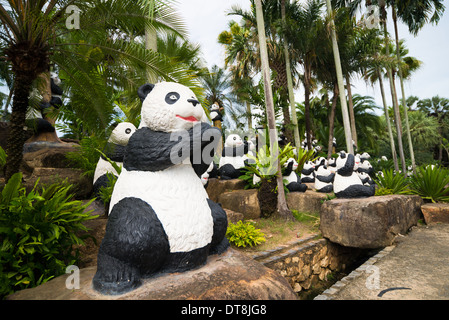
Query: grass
point(279, 232)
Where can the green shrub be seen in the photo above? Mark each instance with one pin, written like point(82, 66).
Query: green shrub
point(430, 183)
point(244, 234)
point(383, 191)
point(398, 183)
point(37, 232)
point(87, 156)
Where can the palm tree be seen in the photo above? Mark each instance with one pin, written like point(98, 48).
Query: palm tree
point(302, 32)
point(344, 107)
point(438, 108)
point(34, 34)
point(282, 208)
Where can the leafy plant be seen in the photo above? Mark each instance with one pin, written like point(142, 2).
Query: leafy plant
point(397, 182)
point(2, 157)
point(383, 192)
point(244, 234)
point(87, 156)
point(37, 232)
point(430, 183)
point(105, 193)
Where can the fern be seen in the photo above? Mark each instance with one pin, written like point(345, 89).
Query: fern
point(244, 234)
point(430, 183)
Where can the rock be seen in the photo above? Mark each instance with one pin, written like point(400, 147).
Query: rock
point(309, 201)
point(216, 187)
point(49, 157)
point(243, 201)
point(435, 212)
point(82, 185)
point(230, 276)
point(372, 222)
point(234, 217)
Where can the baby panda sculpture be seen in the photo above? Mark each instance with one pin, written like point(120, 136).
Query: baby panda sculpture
point(293, 183)
point(161, 219)
point(232, 161)
point(115, 151)
point(324, 179)
point(347, 183)
point(308, 172)
point(215, 113)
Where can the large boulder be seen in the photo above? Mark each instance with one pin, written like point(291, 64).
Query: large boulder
point(243, 201)
point(216, 187)
point(309, 201)
point(372, 222)
point(230, 276)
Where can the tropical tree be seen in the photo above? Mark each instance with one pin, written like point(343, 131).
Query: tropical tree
point(33, 34)
point(282, 208)
point(438, 108)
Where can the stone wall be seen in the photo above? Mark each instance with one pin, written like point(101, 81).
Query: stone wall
point(307, 263)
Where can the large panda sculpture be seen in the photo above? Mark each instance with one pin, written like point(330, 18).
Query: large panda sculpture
point(347, 183)
point(115, 151)
point(161, 219)
point(232, 161)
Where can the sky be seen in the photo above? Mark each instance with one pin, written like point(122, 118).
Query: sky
point(206, 19)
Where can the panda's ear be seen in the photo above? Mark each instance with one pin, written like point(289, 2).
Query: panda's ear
point(144, 90)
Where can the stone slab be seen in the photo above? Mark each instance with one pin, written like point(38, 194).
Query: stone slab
point(243, 201)
point(372, 222)
point(230, 276)
point(435, 212)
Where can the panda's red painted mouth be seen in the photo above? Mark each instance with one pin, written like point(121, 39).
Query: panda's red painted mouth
point(191, 118)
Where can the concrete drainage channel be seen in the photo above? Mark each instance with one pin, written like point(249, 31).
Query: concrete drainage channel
point(364, 269)
point(315, 267)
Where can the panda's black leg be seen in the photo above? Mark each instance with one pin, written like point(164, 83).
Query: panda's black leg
point(135, 245)
point(219, 242)
point(102, 181)
point(296, 187)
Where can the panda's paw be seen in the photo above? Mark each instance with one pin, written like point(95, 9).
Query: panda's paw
point(116, 284)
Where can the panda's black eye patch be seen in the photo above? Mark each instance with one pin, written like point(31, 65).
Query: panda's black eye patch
point(172, 97)
point(128, 131)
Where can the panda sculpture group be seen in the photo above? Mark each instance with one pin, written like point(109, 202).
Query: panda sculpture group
point(160, 216)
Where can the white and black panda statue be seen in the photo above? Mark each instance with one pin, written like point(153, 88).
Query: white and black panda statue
point(293, 183)
point(324, 179)
point(233, 158)
point(308, 172)
point(215, 113)
point(115, 151)
point(160, 218)
point(347, 183)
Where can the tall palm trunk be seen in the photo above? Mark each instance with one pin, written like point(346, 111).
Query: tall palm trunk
point(341, 87)
point(282, 208)
point(307, 78)
point(332, 121)
point(392, 89)
point(401, 78)
point(351, 111)
point(387, 119)
point(291, 95)
point(22, 86)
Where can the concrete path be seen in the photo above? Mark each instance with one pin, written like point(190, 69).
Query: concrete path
point(415, 268)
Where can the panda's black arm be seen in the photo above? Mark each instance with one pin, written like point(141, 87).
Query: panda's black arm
point(307, 171)
point(288, 169)
point(348, 168)
point(327, 179)
point(115, 152)
point(149, 150)
point(203, 146)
